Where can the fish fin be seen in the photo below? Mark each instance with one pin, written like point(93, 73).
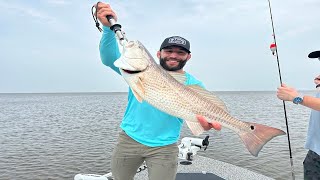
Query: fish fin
point(258, 136)
point(140, 86)
point(139, 98)
point(195, 127)
point(180, 77)
point(209, 95)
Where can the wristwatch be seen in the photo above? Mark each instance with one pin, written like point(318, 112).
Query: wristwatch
point(297, 100)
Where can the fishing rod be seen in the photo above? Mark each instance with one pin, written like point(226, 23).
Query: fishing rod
point(284, 104)
point(116, 28)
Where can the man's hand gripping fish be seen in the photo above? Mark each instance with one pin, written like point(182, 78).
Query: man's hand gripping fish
point(165, 90)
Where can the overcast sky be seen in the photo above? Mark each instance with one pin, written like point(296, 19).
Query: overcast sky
point(52, 45)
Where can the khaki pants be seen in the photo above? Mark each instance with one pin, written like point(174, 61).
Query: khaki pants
point(128, 155)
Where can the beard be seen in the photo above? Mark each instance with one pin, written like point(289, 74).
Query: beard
point(181, 64)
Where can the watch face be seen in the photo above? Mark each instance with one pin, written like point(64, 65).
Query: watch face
point(297, 100)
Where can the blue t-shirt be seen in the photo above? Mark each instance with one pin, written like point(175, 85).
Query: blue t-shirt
point(313, 138)
point(143, 122)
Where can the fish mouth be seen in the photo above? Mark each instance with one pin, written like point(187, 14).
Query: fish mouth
point(122, 64)
point(130, 71)
point(125, 67)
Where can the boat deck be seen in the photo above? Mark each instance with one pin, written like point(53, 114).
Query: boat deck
point(206, 168)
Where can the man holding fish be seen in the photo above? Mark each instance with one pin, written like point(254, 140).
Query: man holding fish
point(148, 134)
point(160, 98)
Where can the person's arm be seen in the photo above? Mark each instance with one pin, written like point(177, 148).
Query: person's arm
point(311, 102)
point(109, 49)
point(287, 93)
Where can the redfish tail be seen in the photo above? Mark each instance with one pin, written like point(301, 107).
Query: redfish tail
point(258, 135)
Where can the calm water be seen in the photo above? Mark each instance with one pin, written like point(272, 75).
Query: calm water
point(55, 136)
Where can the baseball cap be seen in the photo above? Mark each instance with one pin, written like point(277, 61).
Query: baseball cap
point(314, 54)
point(176, 41)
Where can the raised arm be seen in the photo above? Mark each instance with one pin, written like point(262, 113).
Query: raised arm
point(109, 49)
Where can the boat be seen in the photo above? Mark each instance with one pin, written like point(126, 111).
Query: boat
point(192, 166)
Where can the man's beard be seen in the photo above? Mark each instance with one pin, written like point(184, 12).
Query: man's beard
point(181, 64)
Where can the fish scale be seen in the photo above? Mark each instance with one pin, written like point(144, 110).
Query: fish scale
point(184, 108)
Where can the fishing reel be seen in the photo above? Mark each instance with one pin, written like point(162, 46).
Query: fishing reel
point(189, 148)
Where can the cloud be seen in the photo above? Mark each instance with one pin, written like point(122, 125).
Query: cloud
point(23, 10)
point(229, 38)
point(296, 17)
point(59, 2)
point(19, 10)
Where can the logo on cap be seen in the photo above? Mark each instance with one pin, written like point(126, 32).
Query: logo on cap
point(177, 40)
